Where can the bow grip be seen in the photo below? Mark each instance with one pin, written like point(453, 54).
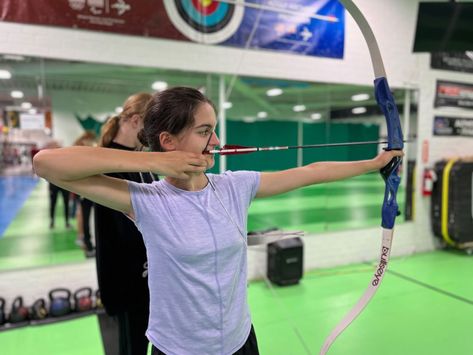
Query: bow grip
point(386, 102)
point(390, 209)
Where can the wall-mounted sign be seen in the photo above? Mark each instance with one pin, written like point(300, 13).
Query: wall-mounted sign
point(32, 121)
point(454, 94)
point(453, 126)
point(308, 27)
point(459, 61)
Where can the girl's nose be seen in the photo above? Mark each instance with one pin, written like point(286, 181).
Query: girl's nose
point(214, 140)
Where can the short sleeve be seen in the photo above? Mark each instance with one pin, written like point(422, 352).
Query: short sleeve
point(141, 196)
point(241, 185)
point(250, 180)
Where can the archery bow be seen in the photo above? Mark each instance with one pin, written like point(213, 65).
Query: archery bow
point(389, 173)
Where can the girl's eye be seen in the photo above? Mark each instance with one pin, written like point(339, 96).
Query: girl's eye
point(206, 132)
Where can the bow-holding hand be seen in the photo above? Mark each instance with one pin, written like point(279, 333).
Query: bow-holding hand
point(385, 157)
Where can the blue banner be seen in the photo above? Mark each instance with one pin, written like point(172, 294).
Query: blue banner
point(308, 27)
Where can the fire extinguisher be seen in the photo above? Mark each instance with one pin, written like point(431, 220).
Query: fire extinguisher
point(428, 182)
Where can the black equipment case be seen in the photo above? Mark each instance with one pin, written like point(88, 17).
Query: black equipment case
point(285, 261)
point(452, 204)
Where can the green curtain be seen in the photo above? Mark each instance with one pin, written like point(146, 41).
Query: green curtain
point(276, 133)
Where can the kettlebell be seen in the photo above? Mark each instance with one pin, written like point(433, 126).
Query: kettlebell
point(83, 299)
point(19, 313)
point(98, 300)
point(38, 310)
point(2, 311)
point(59, 305)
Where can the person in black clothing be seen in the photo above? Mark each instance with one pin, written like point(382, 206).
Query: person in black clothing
point(53, 192)
point(88, 138)
point(120, 250)
point(86, 207)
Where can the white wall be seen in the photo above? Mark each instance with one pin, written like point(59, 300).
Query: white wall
point(65, 104)
point(393, 23)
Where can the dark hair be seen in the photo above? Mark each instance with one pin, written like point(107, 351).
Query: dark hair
point(171, 111)
point(133, 105)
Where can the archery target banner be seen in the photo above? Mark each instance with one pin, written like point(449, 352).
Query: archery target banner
point(307, 27)
point(205, 21)
point(310, 27)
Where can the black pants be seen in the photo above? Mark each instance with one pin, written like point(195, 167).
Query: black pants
point(124, 334)
point(86, 206)
point(249, 348)
point(53, 192)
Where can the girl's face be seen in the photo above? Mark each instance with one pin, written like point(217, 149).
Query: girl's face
point(195, 138)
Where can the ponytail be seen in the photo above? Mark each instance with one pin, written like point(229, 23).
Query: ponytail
point(109, 131)
point(133, 105)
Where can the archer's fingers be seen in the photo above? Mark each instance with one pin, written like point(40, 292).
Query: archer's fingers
point(397, 153)
point(198, 162)
point(195, 159)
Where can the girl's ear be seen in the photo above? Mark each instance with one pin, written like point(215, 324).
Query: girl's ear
point(135, 120)
point(167, 141)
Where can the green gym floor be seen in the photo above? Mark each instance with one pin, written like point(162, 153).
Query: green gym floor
point(424, 305)
point(27, 240)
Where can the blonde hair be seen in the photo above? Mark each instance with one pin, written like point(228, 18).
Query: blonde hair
point(87, 138)
point(134, 105)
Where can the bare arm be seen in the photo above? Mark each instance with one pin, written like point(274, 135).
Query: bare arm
point(274, 183)
point(81, 169)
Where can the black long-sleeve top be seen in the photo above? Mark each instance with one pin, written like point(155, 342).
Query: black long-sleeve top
point(120, 254)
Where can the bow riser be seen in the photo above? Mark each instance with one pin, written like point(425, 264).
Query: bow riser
point(390, 209)
point(386, 102)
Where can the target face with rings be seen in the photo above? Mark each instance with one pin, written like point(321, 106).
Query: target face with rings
point(205, 21)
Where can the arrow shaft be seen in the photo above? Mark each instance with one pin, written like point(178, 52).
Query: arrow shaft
point(244, 150)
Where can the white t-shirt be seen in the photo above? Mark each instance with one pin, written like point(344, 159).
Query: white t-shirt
point(197, 262)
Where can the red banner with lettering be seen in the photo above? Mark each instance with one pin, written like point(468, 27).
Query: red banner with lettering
point(137, 17)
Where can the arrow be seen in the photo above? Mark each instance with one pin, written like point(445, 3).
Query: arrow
point(229, 149)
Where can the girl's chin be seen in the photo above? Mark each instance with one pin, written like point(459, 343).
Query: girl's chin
point(211, 162)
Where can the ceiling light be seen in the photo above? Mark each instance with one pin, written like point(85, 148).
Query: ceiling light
point(360, 97)
point(469, 54)
point(249, 119)
point(159, 85)
point(227, 105)
point(274, 92)
point(298, 108)
point(316, 116)
point(17, 94)
point(32, 111)
point(5, 74)
point(118, 109)
point(262, 114)
point(26, 105)
point(358, 110)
